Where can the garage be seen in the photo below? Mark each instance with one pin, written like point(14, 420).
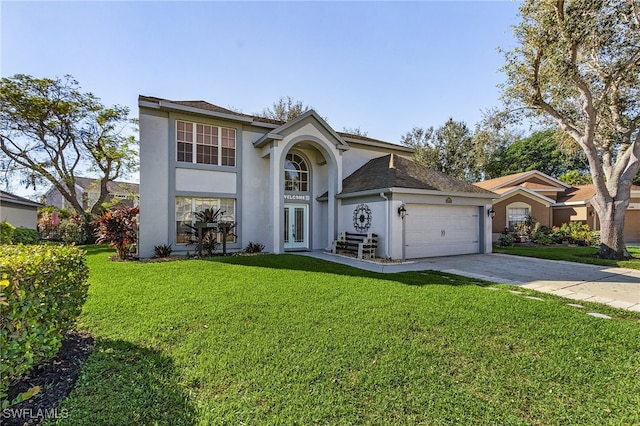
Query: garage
point(632, 226)
point(433, 230)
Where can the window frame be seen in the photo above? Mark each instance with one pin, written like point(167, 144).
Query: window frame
point(197, 203)
point(527, 213)
point(219, 136)
point(306, 172)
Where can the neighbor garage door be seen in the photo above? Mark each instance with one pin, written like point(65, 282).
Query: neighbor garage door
point(632, 226)
point(441, 230)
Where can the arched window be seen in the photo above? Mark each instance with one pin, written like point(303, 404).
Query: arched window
point(296, 173)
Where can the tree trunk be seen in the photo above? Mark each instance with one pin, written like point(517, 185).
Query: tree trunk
point(611, 231)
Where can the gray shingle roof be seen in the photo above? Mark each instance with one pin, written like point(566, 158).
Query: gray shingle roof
point(115, 187)
point(215, 108)
point(7, 197)
point(392, 171)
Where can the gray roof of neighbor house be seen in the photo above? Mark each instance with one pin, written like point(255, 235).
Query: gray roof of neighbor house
point(206, 106)
point(7, 197)
point(115, 187)
point(393, 171)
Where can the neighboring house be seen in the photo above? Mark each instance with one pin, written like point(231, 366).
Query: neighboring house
point(18, 211)
point(88, 192)
point(551, 202)
point(296, 185)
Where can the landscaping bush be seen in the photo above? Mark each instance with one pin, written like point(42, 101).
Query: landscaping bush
point(42, 290)
point(119, 228)
point(542, 235)
point(71, 231)
point(254, 247)
point(25, 236)
point(577, 233)
point(506, 240)
point(6, 232)
point(163, 250)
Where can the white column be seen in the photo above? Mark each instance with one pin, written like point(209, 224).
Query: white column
point(276, 194)
point(333, 204)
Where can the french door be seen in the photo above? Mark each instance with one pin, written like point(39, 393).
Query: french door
point(296, 226)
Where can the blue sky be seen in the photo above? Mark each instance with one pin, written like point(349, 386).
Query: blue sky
point(382, 66)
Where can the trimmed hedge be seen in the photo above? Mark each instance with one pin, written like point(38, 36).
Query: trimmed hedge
point(25, 236)
point(42, 290)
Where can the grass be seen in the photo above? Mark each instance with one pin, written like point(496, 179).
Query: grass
point(285, 339)
point(572, 254)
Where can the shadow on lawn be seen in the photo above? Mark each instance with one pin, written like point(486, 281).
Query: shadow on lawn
point(122, 383)
point(311, 264)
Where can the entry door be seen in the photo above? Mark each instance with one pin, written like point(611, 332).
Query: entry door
point(296, 226)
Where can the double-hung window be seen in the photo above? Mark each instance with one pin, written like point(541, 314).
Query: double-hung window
point(205, 144)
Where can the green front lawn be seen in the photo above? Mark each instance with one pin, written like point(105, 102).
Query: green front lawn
point(285, 339)
point(572, 254)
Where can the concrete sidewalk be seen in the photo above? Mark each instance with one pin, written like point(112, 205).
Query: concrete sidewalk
point(617, 287)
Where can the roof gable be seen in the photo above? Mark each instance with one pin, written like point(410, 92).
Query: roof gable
point(393, 171)
point(510, 192)
point(534, 176)
point(308, 116)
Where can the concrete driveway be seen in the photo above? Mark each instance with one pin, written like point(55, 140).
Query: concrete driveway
point(618, 287)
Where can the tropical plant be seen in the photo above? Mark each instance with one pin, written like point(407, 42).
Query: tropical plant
point(119, 228)
point(209, 230)
point(254, 247)
point(163, 250)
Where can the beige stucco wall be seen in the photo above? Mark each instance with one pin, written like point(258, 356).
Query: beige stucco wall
point(538, 210)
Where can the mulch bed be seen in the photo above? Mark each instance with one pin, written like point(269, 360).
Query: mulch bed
point(56, 378)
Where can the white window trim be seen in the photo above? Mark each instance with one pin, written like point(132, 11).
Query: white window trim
point(194, 143)
point(516, 205)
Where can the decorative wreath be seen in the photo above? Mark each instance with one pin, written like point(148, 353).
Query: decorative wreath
point(362, 218)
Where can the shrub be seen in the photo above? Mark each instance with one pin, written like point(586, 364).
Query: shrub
point(6, 232)
point(120, 229)
point(71, 231)
point(506, 240)
point(25, 236)
point(163, 250)
point(254, 247)
point(42, 290)
point(542, 235)
point(577, 233)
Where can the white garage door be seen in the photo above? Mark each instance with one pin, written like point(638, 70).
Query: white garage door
point(441, 230)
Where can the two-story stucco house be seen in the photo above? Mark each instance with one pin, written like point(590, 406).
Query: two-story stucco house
point(296, 185)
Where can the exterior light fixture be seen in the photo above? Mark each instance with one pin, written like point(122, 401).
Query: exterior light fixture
point(491, 213)
point(402, 211)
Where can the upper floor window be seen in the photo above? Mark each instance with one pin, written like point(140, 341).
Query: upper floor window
point(205, 144)
point(296, 173)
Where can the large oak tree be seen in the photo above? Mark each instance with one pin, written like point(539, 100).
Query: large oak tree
point(51, 132)
point(578, 62)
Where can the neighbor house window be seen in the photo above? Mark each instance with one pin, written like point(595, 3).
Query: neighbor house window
point(204, 144)
point(186, 207)
point(296, 173)
point(516, 216)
